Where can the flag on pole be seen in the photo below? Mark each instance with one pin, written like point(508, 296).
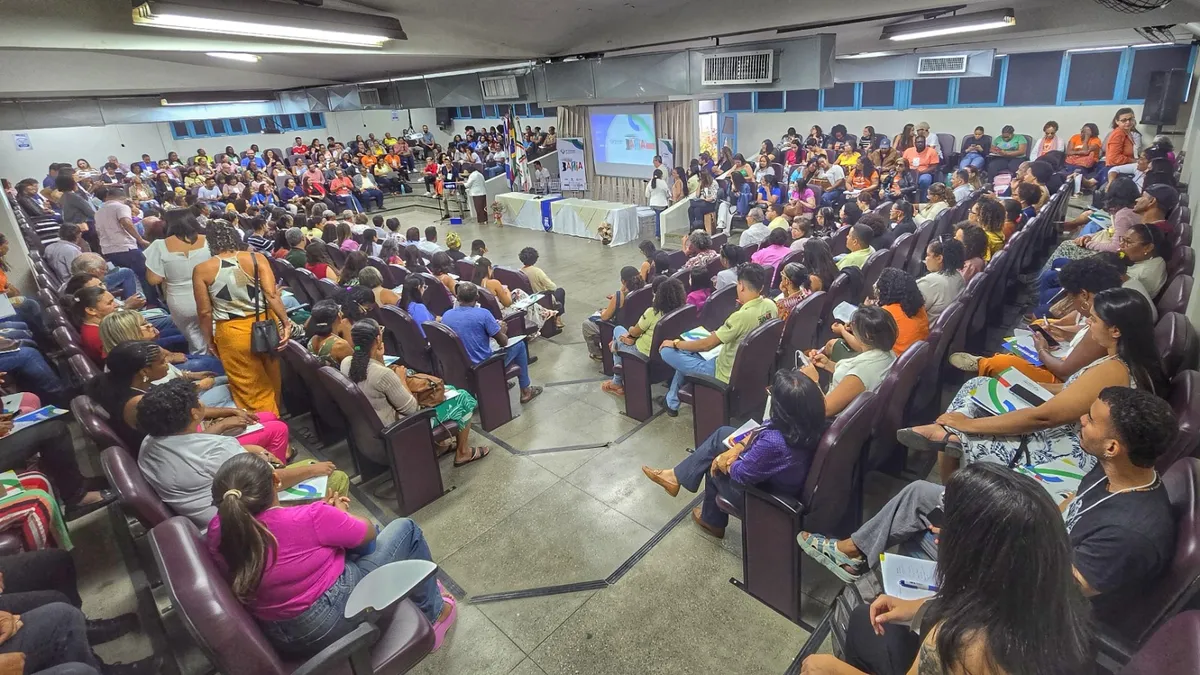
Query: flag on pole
point(518, 166)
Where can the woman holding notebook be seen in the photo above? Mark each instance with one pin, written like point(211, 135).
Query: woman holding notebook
point(1120, 322)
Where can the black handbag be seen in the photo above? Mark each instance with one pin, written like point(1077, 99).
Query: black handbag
point(264, 335)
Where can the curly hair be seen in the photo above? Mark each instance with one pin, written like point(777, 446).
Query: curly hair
point(669, 295)
point(952, 253)
point(1144, 424)
point(223, 238)
point(991, 213)
point(528, 256)
point(167, 408)
point(974, 240)
point(897, 286)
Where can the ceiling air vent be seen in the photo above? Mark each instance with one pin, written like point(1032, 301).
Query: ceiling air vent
point(368, 97)
point(740, 68)
point(501, 88)
point(955, 64)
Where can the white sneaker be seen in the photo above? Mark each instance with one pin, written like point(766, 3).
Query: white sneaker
point(428, 193)
point(965, 362)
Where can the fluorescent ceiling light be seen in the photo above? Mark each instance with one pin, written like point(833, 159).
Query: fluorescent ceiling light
point(167, 103)
point(261, 19)
point(865, 55)
point(951, 25)
point(451, 73)
point(1084, 50)
point(235, 56)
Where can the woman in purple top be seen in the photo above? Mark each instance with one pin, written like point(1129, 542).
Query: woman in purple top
point(774, 457)
point(294, 567)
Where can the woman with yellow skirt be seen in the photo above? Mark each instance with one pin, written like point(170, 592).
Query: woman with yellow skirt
point(234, 289)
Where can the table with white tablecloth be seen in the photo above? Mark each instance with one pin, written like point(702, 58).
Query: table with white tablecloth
point(522, 209)
point(583, 218)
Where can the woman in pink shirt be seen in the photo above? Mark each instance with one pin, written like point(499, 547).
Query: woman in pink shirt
point(295, 567)
point(774, 248)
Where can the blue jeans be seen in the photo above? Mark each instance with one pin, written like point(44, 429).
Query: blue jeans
point(348, 202)
point(1048, 287)
point(972, 159)
point(122, 282)
point(832, 197)
point(219, 395)
point(136, 261)
point(685, 363)
point(30, 313)
point(518, 354)
point(372, 195)
point(924, 180)
point(198, 363)
point(31, 370)
point(619, 379)
point(169, 336)
point(697, 466)
point(323, 623)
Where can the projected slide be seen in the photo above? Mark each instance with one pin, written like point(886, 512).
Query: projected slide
point(623, 140)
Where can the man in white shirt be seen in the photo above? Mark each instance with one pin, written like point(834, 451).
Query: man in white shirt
point(931, 139)
point(757, 231)
point(831, 178)
point(541, 178)
point(429, 246)
point(962, 189)
point(477, 192)
point(210, 193)
point(658, 165)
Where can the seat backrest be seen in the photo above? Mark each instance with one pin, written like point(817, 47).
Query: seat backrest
point(436, 298)
point(364, 423)
point(902, 250)
point(1165, 595)
point(1176, 295)
point(752, 367)
point(827, 497)
point(1183, 261)
point(454, 366)
point(636, 304)
point(491, 303)
point(336, 254)
point(385, 271)
point(138, 499)
point(465, 269)
point(946, 143)
point(1177, 342)
point(1173, 648)
point(414, 348)
point(82, 368)
point(305, 364)
point(514, 279)
point(896, 396)
point(719, 240)
point(914, 263)
point(802, 327)
point(94, 421)
point(843, 289)
point(221, 626)
point(837, 241)
point(794, 256)
point(873, 267)
point(308, 281)
point(676, 260)
point(1184, 398)
point(718, 308)
point(684, 277)
point(670, 327)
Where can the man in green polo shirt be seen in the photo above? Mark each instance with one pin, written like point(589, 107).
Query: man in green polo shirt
point(858, 241)
point(685, 355)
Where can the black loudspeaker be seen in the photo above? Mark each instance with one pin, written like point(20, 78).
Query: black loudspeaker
point(1164, 96)
point(443, 117)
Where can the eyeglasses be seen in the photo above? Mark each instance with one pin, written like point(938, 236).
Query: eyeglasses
point(1125, 119)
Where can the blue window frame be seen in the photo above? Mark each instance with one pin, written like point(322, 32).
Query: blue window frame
point(1089, 78)
point(768, 101)
point(742, 101)
point(1150, 59)
point(981, 92)
point(241, 126)
point(928, 93)
point(842, 96)
point(879, 95)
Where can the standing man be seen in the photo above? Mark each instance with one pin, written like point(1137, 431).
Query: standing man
point(120, 242)
point(477, 192)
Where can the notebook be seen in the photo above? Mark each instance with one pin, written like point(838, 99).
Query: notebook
point(35, 416)
point(700, 334)
point(307, 491)
point(907, 578)
point(1010, 390)
point(844, 311)
point(741, 433)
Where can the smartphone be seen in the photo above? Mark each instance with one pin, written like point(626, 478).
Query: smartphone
point(935, 517)
point(802, 359)
point(1026, 395)
point(1037, 328)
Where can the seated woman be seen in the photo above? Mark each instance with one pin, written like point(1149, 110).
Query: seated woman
point(441, 266)
point(318, 261)
point(294, 568)
point(944, 260)
point(1028, 616)
point(356, 261)
point(410, 301)
point(387, 391)
point(818, 258)
point(872, 334)
point(649, 251)
point(897, 293)
point(775, 456)
point(1120, 322)
point(796, 284)
point(732, 255)
point(371, 279)
point(88, 308)
point(485, 278)
point(179, 459)
point(940, 199)
point(131, 370)
point(702, 288)
point(389, 252)
point(631, 280)
point(774, 248)
point(975, 243)
point(669, 295)
point(1145, 250)
point(28, 310)
point(330, 333)
point(125, 325)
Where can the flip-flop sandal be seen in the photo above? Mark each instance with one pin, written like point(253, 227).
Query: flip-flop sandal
point(442, 627)
point(824, 550)
point(911, 439)
point(476, 455)
point(533, 393)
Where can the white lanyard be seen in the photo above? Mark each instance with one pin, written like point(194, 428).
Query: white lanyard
point(1072, 518)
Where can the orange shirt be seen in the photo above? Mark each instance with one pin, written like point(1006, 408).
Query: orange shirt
point(909, 329)
point(859, 182)
point(1118, 149)
point(1089, 160)
point(368, 161)
point(393, 160)
point(924, 161)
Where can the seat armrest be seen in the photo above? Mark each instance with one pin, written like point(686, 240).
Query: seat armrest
point(707, 381)
point(641, 358)
point(409, 422)
point(710, 406)
point(1113, 647)
point(384, 586)
point(787, 504)
point(355, 646)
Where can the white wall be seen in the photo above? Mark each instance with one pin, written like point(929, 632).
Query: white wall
point(752, 128)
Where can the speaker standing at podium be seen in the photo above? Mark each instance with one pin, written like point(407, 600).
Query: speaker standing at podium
point(477, 191)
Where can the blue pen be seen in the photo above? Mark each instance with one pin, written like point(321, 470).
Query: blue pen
point(918, 587)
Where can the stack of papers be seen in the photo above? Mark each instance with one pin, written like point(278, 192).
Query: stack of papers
point(1021, 344)
point(153, 313)
point(741, 433)
point(1010, 390)
point(1059, 477)
point(528, 300)
point(700, 334)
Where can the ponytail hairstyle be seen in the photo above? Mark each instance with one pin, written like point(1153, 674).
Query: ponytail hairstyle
point(632, 278)
point(412, 291)
point(84, 299)
point(363, 336)
point(483, 267)
point(243, 488)
point(655, 179)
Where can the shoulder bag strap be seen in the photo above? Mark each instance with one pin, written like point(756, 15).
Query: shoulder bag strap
point(257, 286)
